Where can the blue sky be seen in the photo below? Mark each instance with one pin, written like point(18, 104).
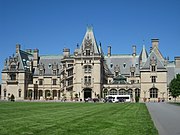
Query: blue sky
point(51, 25)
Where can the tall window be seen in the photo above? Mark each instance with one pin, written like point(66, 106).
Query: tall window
point(54, 72)
point(87, 79)
point(153, 68)
point(19, 93)
point(87, 52)
point(40, 72)
point(105, 92)
point(4, 93)
point(70, 72)
point(153, 93)
point(54, 81)
point(153, 79)
point(137, 92)
point(40, 82)
point(130, 92)
point(70, 82)
point(132, 74)
point(87, 69)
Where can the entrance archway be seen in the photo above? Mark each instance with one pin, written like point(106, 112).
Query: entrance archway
point(87, 93)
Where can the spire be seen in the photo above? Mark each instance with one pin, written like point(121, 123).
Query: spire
point(89, 42)
point(143, 55)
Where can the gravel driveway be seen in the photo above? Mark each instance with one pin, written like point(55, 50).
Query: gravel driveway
point(166, 117)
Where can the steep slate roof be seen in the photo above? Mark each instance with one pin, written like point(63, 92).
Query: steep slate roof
point(47, 61)
point(143, 55)
point(171, 71)
point(124, 62)
point(159, 61)
point(90, 35)
point(24, 58)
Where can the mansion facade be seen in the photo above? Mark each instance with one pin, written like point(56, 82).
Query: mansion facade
point(88, 73)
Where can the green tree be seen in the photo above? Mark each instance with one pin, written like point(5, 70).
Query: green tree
point(12, 98)
point(175, 86)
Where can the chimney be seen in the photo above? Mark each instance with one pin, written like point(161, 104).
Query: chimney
point(177, 62)
point(109, 51)
point(66, 52)
point(134, 50)
point(18, 47)
point(35, 57)
point(155, 43)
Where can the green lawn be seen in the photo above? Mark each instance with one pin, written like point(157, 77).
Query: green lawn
point(27, 118)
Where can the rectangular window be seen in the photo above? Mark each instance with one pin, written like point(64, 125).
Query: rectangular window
point(13, 76)
point(40, 82)
point(4, 93)
point(132, 74)
point(87, 52)
point(54, 72)
point(153, 79)
point(70, 82)
point(54, 81)
point(153, 68)
point(87, 69)
point(70, 72)
point(40, 72)
point(132, 81)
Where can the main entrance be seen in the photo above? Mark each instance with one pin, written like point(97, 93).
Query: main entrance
point(87, 93)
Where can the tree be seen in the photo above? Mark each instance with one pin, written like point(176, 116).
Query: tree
point(174, 86)
point(12, 98)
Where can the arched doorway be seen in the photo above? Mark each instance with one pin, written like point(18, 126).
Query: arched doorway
point(87, 93)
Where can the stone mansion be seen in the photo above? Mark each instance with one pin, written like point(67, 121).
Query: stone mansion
point(88, 73)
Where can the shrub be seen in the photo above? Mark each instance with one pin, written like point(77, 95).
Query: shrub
point(137, 99)
point(12, 98)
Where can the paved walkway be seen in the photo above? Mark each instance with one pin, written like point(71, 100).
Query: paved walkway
point(166, 117)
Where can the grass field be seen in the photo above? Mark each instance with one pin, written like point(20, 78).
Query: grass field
point(26, 118)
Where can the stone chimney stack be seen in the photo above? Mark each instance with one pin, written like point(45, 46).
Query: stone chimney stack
point(109, 51)
point(18, 47)
point(134, 50)
point(155, 43)
point(66, 52)
point(177, 62)
point(35, 57)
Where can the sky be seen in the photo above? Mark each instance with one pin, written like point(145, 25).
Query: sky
point(51, 25)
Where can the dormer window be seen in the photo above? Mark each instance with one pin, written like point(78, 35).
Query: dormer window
point(13, 76)
point(54, 72)
point(13, 67)
point(40, 72)
point(49, 66)
point(87, 52)
point(132, 74)
point(124, 65)
point(111, 65)
point(153, 68)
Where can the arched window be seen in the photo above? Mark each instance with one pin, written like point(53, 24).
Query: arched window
point(19, 93)
point(137, 92)
point(130, 92)
point(5, 93)
point(105, 92)
point(113, 92)
point(153, 93)
point(122, 92)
